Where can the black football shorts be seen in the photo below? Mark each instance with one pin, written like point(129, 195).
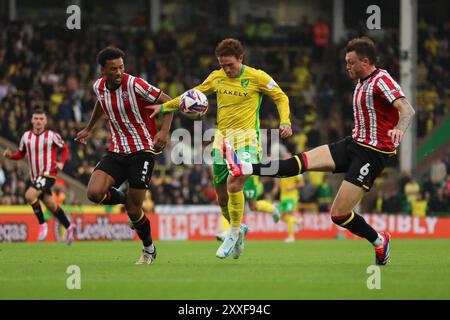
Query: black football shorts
point(43, 183)
point(361, 164)
point(136, 167)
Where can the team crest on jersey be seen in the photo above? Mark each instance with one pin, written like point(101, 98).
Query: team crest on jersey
point(221, 80)
point(125, 96)
point(245, 83)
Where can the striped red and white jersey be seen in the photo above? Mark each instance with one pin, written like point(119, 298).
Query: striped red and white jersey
point(374, 114)
point(130, 126)
point(42, 151)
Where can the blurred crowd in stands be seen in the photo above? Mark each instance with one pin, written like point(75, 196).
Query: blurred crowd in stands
point(45, 66)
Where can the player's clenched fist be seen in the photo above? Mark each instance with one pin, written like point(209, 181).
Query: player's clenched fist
point(285, 131)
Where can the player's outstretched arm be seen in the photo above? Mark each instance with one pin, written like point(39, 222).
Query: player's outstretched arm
point(7, 153)
point(172, 105)
point(13, 156)
point(83, 134)
point(162, 136)
point(405, 118)
point(154, 109)
point(168, 106)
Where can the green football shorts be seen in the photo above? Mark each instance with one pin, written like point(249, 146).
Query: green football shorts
point(220, 169)
point(287, 205)
point(253, 189)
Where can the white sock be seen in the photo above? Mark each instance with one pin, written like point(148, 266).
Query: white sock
point(150, 248)
point(379, 242)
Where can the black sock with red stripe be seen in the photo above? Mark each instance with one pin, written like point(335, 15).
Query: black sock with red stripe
point(38, 211)
point(62, 218)
point(114, 196)
point(356, 225)
point(144, 231)
point(286, 168)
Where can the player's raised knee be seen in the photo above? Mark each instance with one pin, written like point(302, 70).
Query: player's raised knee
point(336, 213)
point(30, 196)
point(95, 196)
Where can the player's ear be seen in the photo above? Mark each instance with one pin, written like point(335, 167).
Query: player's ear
point(366, 61)
point(241, 58)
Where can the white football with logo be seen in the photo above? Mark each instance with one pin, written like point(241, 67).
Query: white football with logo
point(193, 104)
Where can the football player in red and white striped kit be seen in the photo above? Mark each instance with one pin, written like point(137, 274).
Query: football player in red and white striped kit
point(42, 146)
point(134, 142)
point(381, 115)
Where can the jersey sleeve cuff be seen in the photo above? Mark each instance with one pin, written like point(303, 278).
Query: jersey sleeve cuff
point(397, 99)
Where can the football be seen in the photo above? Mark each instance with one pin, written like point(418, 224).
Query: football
point(193, 104)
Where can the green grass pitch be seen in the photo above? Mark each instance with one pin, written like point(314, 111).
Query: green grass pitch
point(307, 269)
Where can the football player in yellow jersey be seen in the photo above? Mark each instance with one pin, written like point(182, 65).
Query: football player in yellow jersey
point(239, 90)
point(289, 196)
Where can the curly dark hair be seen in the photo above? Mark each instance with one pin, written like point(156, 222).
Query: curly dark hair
point(109, 53)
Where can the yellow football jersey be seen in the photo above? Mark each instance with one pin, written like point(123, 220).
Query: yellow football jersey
point(238, 103)
point(286, 184)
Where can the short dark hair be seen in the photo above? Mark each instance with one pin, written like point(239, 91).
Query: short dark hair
point(109, 53)
point(229, 47)
point(364, 47)
point(39, 111)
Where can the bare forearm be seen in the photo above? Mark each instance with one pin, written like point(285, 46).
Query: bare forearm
point(96, 114)
point(167, 121)
point(406, 114)
point(167, 117)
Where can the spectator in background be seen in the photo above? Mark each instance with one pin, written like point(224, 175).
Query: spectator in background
point(59, 195)
point(379, 201)
point(148, 205)
point(427, 185)
point(316, 178)
point(308, 191)
point(321, 37)
point(392, 202)
point(71, 107)
point(412, 190)
point(439, 204)
point(438, 172)
point(419, 207)
point(6, 87)
point(324, 195)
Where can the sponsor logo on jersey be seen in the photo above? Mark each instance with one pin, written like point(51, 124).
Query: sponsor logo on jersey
point(232, 92)
point(245, 83)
